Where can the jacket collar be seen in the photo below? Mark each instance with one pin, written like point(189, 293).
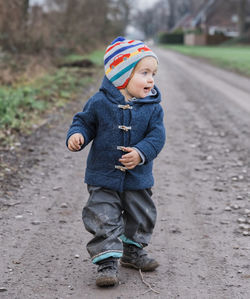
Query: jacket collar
point(114, 95)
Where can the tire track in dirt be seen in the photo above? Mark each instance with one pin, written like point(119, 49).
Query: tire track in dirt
point(204, 249)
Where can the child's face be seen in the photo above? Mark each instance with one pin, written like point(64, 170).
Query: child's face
point(142, 80)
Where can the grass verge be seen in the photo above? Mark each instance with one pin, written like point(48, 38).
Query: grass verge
point(24, 105)
point(95, 57)
point(234, 58)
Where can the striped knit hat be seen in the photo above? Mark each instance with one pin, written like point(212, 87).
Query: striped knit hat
point(121, 57)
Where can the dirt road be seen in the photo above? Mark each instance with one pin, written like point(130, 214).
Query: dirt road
point(202, 189)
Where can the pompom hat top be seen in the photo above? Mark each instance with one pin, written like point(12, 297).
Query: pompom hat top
point(121, 57)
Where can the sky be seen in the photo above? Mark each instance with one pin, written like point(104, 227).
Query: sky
point(32, 2)
point(146, 3)
point(141, 3)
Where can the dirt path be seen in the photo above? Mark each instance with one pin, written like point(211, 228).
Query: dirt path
point(203, 169)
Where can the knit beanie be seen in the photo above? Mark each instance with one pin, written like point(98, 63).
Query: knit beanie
point(121, 57)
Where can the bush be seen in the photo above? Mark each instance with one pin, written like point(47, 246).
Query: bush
point(238, 41)
point(195, 31)
point(20, 105)
point(171, 38)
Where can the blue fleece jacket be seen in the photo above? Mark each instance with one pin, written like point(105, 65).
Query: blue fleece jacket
point(111, 122)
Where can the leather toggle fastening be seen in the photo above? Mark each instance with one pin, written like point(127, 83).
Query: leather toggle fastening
point(120, 148)
point(121, 168)
point(124, 107)
point(124, 128)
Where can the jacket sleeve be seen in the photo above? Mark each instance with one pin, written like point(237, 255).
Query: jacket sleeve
point(153, 142)
point(84, 123)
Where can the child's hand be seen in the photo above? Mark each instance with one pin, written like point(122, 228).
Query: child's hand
point(132, 159)
point(75, 142)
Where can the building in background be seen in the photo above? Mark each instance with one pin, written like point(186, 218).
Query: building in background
point(215, 21)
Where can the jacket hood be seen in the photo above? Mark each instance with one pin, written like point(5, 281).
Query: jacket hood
point(115, 96)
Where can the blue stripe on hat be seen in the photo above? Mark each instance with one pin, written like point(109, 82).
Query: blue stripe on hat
point(123, 71)
point(118, 39)
point(119, 51)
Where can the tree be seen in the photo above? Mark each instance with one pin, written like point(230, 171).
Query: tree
point(13, 16)
point(25, 8)
point(162, 16)
point(61, 25)
point(242, 17)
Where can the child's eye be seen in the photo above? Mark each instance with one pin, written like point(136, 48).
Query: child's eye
point(145, 73)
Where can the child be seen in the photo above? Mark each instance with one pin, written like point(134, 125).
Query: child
point(125, 121)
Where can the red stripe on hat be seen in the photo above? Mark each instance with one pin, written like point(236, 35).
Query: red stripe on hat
point(113, 46)
point(124, 84)
point(110, 48)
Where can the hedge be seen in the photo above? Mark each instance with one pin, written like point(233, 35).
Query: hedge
point(171, 38)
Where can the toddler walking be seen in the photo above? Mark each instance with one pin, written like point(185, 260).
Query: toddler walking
point(125, 122)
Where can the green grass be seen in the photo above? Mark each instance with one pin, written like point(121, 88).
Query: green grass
point(96, 57)
point(20, 106)
point(23, 105)
point(236, 58)
point(14, 102)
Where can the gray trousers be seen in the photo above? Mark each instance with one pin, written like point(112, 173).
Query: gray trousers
point(108, 215)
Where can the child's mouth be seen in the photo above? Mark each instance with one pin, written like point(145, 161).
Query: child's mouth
point(147, 89)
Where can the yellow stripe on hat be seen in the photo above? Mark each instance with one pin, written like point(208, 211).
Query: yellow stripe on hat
point(131, 54)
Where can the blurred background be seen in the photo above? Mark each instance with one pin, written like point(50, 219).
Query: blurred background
point(50, 48)
point(63, 26)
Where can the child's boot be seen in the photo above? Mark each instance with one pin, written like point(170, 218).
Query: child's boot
point(135, 257)
point(107, 272)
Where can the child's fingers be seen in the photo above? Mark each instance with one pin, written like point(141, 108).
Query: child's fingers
point(81, 140)
point(127, 156)
point(127, 149)
point(130, 165)
point(75, 142)
point(72, 146)
point(129, 160)
point(126, 160)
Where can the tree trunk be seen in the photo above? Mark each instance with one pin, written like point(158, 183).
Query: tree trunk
point(25, 8)
point(172, 9)
point(242, 17)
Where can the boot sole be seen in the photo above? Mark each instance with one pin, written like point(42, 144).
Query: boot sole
point(106, 281)
point(149, 268)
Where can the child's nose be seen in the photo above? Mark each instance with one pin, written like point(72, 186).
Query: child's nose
point(151, 79)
